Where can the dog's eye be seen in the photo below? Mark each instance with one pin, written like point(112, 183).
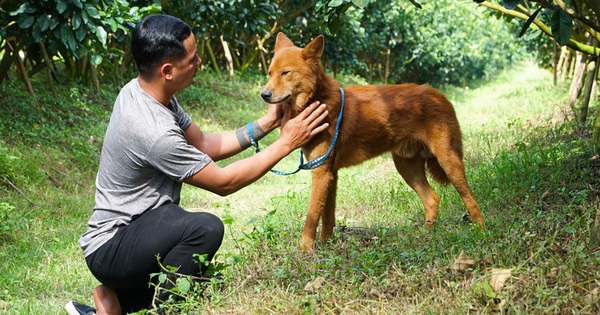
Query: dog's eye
point(284, 73)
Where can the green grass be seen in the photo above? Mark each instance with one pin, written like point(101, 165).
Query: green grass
point(535, 176)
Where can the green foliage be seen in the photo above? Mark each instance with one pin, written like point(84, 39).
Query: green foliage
point(511, 4)
point(238, 22)
point(561, 26)
point(72, 30)
point(7, 163)
point(561, 22)
point(333, 10)
point(185, 292)
point(10, 222)
point(442, 43)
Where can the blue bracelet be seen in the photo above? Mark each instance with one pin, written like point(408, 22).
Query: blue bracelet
point(253, 142)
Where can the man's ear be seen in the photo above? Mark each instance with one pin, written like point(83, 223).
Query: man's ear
point(314, 49)
point(282, 41)
point(166, 71)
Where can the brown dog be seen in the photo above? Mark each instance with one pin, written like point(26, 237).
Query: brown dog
point(416, 123)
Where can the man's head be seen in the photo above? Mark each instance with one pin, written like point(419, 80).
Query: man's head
point(156, 39)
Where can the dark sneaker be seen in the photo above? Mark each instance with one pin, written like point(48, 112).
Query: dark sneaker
point(76, 308)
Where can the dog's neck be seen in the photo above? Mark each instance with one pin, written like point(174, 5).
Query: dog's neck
point(325, 91)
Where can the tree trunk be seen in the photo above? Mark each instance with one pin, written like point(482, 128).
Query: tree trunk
point(388, 52)
point(213, 59)
point(595, 239)
point(262, 51)
point(565, 66)
point(591, 75)
point(6, 62)
point(555, 62)
point(94, 76)
point(596, 139)
point(48, 68)
point(23, 72)
point(228, 57)
point(576, 83)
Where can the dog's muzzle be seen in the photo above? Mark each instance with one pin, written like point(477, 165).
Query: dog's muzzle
point(266, 95)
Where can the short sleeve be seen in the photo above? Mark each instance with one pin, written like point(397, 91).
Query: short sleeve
point(173, 156)
point(183, 119)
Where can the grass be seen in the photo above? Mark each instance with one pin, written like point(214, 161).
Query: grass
point(535, 176)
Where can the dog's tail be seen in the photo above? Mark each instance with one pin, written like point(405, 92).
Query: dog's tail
point(436, 171)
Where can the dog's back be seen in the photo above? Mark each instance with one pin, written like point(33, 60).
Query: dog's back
point(402, 119)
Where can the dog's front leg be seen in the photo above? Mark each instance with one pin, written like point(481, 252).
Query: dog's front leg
point(323, 191)
point(328, 215)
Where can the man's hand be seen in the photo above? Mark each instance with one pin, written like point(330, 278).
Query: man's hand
point(275, 114)
point(299, 130)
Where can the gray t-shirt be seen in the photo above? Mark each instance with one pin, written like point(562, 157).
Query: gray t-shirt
point(145, 157)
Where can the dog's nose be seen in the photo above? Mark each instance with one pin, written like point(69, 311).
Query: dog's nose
point(266, 95)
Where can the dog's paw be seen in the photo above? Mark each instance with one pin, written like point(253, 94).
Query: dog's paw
point(466, 218)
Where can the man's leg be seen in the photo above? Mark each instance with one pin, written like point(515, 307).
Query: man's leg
point(169, 232)
point(106, 301)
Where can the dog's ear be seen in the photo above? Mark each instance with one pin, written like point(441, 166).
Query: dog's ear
point(282, 41)
point(314, 49)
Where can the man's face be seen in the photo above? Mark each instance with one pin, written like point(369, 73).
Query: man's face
point(185, 69)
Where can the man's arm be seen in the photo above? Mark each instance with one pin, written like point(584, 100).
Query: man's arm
point(223, 145)
point(294, 133)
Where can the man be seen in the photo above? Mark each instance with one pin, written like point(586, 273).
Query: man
point(151, 146)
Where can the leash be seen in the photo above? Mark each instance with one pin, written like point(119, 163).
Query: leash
point(310, 164)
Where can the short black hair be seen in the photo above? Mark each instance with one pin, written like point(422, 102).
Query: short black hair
point(158, 38)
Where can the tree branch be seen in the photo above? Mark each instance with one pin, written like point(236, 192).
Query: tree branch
point(586, 49)
point(19, 191)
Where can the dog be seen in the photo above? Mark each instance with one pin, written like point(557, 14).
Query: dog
point(416, 123)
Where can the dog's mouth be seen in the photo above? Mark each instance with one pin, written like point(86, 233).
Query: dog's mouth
point(268, 97)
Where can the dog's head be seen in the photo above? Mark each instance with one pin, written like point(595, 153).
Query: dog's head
point(293, 73)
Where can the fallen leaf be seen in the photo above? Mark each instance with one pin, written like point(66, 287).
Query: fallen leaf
point(462, 262)
point(499, 276)
point(314, 285)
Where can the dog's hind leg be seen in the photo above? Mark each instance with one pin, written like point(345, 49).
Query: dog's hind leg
point(413, 172)
point(452, 164)
point(322, 203)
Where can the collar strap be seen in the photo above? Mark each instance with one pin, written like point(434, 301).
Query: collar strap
point(321, 159)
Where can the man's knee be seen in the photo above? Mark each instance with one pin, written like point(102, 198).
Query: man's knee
point(205, 226)
point(213, 225)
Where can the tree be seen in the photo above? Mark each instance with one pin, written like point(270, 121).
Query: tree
point(238, 28)
point(438, 42)
point(81, 35)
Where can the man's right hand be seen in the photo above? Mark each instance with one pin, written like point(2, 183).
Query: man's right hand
point(299, 130)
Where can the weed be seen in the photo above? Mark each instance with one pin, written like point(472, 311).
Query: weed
point(10, 221)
